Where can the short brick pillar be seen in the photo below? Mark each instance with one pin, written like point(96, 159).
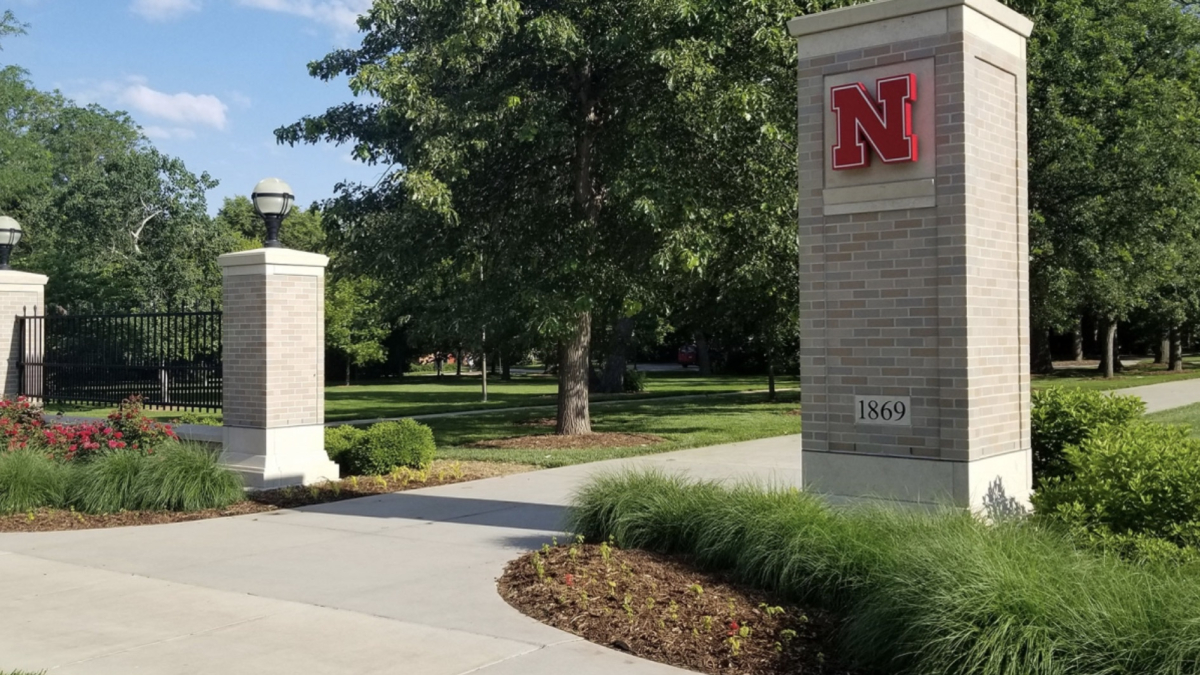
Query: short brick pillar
point(273, 334)
point(914, 252)
point(21, 294)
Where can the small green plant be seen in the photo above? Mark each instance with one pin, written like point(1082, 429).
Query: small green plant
point(635, 381)
point(111, 482)
point(188, 477)
point(1062, 417)
point(30, 480)
point(1133, 490)
point(388, 445)
point(539, 568)
point(697, 589)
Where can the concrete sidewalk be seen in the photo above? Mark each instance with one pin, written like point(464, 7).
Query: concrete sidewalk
point(1166, 395)
point(400, 583)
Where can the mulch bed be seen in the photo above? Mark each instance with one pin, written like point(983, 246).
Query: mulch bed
point(578, 442)
point(662, 609)
point(442, 472)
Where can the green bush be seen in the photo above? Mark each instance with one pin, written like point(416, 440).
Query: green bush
point(340, 439)
point(199, 418)
point(920, 593)
point(635, 381)
point(31, 480)
point(1061, 417)
point(1128, 487)
point(388, 445)
point(111, 482)
point(187, 477)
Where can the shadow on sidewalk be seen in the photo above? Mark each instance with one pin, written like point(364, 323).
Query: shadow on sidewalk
point(438, 509)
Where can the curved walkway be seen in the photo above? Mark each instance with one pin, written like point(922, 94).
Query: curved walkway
point(1166, 395)
point(401, 583)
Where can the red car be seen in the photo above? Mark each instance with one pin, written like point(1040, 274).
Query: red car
point(687, 356)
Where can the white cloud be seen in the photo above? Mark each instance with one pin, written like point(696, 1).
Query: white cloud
point(167, 133)
point(182, 108)
point(342, 15)
point(163, 10)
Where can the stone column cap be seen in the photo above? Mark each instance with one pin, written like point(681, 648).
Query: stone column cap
point(882, 10)
point(17, 278)
point(273, 256)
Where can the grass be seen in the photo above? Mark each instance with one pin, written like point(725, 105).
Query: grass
point(929, 593)
point(1188, 414)
point(685, 424)
point(1133, 376)
point(425, 394)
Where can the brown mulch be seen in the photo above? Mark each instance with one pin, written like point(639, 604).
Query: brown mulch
point(662, 609)
point(441, 472)
point(793, 413)
point(579, 442)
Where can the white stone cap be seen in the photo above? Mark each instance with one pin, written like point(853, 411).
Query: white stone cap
point(882, 10)
point(16, 278)
point(279, 257)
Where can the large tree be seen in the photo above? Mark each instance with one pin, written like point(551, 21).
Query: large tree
point(557, 137)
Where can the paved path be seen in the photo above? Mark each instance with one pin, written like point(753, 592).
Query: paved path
point(401, 583)
point(1166, 395)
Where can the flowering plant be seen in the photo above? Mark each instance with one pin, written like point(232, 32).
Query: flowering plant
point(22, 426)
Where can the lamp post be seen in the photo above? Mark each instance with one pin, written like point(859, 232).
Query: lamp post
point(273, 200)
point(10, 234)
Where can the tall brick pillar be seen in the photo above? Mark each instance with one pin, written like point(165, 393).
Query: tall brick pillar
point(273, 332)
point(914, 252)
point(21, 293)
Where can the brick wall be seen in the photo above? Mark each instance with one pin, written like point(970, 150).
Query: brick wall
point(928, 303)
point(274, 349)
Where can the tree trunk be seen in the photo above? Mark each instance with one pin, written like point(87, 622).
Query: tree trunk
point(438, 361)
point(483, 365)
point(612, 381)
point(1077, 341)
point(1109, 356)
point(347, 372)
point(1041, 362)
point(573, 416)
point(1091, 335)
point(703, 359)
point(506, 369)
point(1162, 349)
point(1176, 350)
point(458, 363)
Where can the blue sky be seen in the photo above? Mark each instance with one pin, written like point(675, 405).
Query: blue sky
point(208, 80)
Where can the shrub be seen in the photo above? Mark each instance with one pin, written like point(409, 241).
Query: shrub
point(31, 480)
point(187, 477)
point(929, 593)
point(110, 483)
point(635, 381)
point(1061, 417)
point(137, 430)
point(339, 439)
point(199, 418)
point(1127, 487)
point(388, 445)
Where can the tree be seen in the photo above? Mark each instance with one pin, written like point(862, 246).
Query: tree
point(301, 230)
point(552, 135)
point(353, 325)
point(1113, 143)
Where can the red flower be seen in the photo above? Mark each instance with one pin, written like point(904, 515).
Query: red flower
point(570, 579)
point(734, 628)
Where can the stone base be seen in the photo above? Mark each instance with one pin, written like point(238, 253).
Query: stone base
point(997, 485)
point(272, 458)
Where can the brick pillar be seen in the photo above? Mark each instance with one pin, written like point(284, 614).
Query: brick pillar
point(914, 272)
point(21, 293)
point(273, 332)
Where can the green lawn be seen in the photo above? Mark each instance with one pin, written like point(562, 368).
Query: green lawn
point(421, 394)
point(685, 424)
point(1133, 376)
point(1188, 414)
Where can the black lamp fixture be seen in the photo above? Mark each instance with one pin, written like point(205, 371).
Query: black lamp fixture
point(273, 200)
point(10, 234)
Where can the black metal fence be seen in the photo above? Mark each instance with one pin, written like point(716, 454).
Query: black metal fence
point(170, 359)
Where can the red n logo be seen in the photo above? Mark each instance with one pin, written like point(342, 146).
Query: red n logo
point(886, 124)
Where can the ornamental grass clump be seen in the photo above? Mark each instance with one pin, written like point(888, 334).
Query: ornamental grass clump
point(110, 483)
point(923, 593)
point(31, 480)
point(187, 477)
